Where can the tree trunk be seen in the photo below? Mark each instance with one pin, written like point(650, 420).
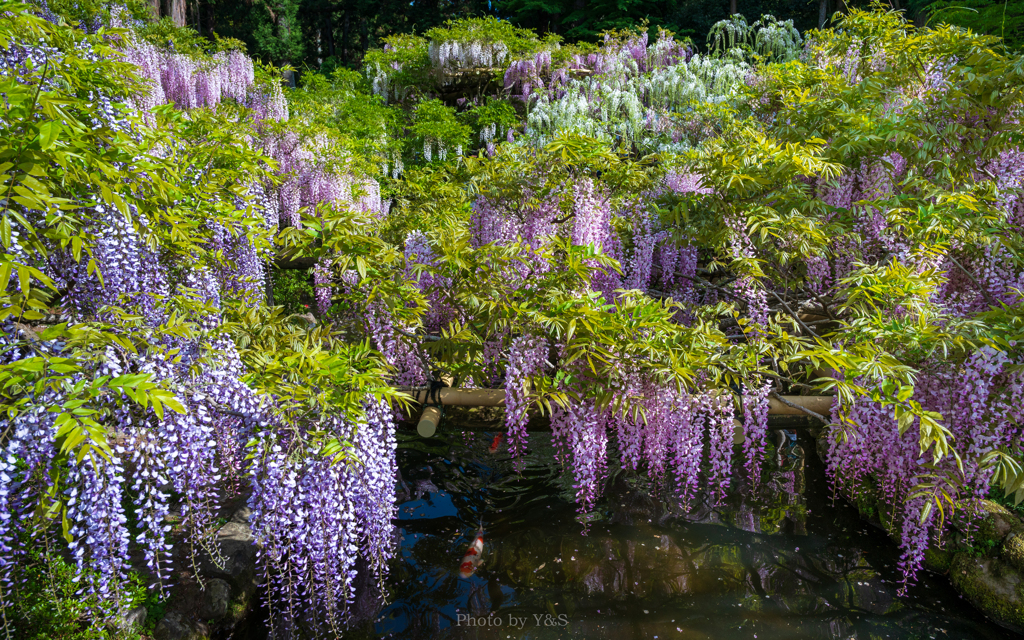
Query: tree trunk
point(154, 9)
point(822, 14)
point(327, 37)
point(920, 18)
point(364, 35)
point(344, 36)
point(177, 12)
point(284, 32)
point(732, 8)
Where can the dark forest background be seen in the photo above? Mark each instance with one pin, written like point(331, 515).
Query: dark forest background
point(325, 34)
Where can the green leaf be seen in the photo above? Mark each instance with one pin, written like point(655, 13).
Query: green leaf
point(48, 133)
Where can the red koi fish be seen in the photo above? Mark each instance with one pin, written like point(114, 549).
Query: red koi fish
point(471, 560)
point(494, 445)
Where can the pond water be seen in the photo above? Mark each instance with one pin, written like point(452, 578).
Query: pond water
point(784, 561)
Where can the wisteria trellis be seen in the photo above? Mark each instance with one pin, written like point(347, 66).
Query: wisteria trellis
point(685, 259)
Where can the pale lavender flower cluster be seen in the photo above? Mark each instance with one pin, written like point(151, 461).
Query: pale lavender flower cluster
point(592, 226)
point(433, 285)
point(755, 427)
point(677, 267)
point(304, 518)
point(527, 356)
point(190, 83)
point(241, 271)
point(819, 274)
point(100, 538)
point(132, 277)
point(322, 284)
point(25, 465)
point(492, 221)
point(311, 178)
point(646, 238)
point(719, 414)
point(671, 436)
point(398, 350)
point(747, 287)
point(628, 429)
point(522, 76)
point(980, 400)
point(687, 437)
point(685, 183)
point(374, 446)
point(283, 525)
point(151, 503)
point(580, 431)
point(452, 54)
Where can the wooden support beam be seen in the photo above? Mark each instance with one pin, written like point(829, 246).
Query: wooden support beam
point(818, 404)
point(456, 397)
point(461, 397)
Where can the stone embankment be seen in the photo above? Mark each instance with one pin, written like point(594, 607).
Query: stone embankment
point(982, 553)
point(225, 602)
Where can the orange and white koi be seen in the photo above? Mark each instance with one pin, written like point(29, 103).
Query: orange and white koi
point(471, 560)
point(494, 445)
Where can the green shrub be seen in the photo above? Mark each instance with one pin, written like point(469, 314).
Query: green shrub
point(47, 605)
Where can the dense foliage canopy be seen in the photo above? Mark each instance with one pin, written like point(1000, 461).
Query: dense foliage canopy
point(324, 34)
point(213, 286)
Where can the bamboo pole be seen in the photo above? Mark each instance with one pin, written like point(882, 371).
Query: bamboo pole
point(454, 397)
point(429, 419)
point(818, 404)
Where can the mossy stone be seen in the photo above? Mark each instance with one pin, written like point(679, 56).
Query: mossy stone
point(866, 502)
point(994, 525)
point(238, 609)
point(993, 586)
point(938, 560)
point(1013, 550)
point(821, 447)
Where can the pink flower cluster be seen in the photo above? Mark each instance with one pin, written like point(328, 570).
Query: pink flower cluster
point(189, 82)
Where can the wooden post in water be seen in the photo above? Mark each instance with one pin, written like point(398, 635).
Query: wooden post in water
point(427, 426)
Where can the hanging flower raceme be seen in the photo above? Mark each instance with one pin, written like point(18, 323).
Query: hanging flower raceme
point(979, 399)
point(755, 427)
point(579, 432)
point(374, 447)
point(98, 529)
point(717, 410)
point(747, 287)
point(646, 237)
point(312, 517)
point(592, 226)
point(322, 284)
point(527, 356)
point(190, 82)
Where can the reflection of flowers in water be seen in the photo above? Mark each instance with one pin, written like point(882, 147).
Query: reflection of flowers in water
point(745, 519)
point(536, 556)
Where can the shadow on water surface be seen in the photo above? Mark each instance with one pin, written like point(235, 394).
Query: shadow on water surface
point(780, 562)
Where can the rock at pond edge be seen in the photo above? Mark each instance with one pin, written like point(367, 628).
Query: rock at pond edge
point(993, 586)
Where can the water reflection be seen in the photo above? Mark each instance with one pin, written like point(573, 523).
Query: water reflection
point(775, 561)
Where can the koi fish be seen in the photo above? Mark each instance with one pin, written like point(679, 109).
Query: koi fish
point(494, 445)
point(471, 560)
